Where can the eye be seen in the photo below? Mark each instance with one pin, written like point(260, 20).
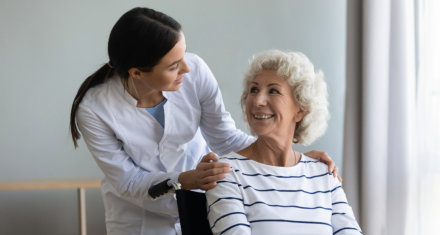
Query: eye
point(253, 90)
point(174, 67)
point(273, 91)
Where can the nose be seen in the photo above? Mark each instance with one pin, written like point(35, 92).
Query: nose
point(260, 99)
point(184, 68)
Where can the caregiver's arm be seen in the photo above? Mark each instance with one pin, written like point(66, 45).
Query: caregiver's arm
point(206, 174)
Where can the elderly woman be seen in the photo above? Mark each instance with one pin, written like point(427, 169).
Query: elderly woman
point(273, 189)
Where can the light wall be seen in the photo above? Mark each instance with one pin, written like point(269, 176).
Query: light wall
point(48, 47)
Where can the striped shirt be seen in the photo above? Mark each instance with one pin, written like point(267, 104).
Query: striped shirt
point(262, 199)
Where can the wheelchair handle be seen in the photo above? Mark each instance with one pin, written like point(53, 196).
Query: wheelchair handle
point(163, 188)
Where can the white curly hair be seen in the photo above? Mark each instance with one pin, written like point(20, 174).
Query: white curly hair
point(308, 89)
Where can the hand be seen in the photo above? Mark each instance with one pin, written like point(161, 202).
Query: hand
point(206, 174)
point(323, 157)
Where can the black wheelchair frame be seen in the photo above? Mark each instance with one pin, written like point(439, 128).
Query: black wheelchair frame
point(191, 206)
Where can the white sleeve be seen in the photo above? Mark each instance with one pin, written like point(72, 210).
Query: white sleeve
point(130, 181)
point(225, 207)
point(343, 220)
point(217, 126)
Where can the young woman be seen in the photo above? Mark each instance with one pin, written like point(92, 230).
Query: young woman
point(153, 112)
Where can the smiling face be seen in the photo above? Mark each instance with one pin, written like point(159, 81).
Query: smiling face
point(270, 107)
point(167, 75)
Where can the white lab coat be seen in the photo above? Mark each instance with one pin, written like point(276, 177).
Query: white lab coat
point(135, 152)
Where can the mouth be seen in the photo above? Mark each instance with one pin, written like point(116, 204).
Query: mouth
point(179, 80)
point(263, 116)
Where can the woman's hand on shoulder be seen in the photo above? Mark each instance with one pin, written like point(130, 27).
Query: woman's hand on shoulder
point(325, 158)
point(206, 174)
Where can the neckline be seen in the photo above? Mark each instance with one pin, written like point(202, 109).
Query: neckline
point(302, 156)
point(158, 105)
point(130, 99)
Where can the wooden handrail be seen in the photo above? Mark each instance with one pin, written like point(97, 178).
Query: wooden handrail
point(79, 184)
point(50, 184)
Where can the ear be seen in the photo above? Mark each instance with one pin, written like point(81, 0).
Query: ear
point(135, 73)
point(299, 115)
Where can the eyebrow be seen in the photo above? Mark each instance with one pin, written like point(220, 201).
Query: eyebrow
point(270, 84)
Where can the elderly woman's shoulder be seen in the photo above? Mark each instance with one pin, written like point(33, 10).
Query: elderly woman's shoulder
point(313, 164)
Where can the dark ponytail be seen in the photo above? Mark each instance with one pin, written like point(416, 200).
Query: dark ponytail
point(139, 39)
point(97, 78)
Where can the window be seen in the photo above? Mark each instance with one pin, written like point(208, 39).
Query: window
point(426, 191)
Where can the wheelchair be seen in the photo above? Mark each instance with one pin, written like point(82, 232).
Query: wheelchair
point(191, 206)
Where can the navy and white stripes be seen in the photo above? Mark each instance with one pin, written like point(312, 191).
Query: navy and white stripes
point(261, 199)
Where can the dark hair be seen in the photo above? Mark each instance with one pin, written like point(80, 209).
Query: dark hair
point(139, 39)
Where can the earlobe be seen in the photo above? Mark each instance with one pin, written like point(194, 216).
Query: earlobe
point(134, 73)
